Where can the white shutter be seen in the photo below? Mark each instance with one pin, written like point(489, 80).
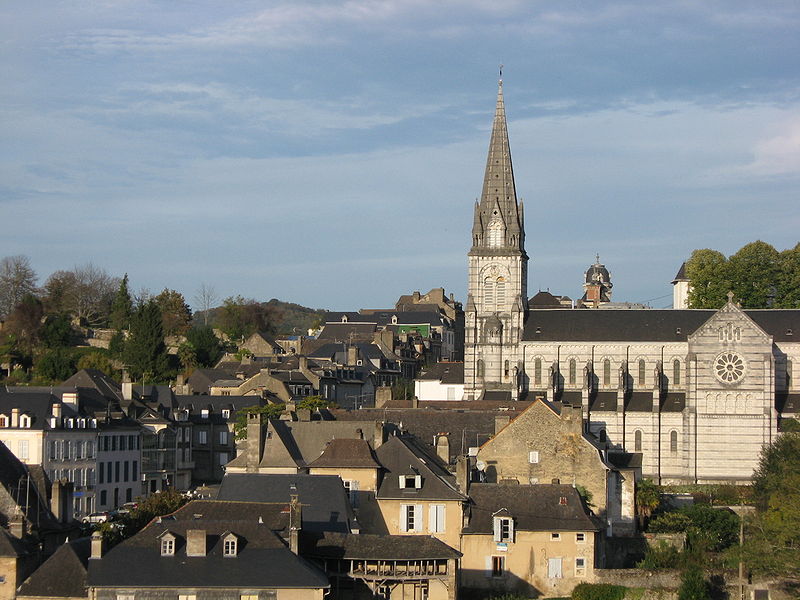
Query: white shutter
point(401, 481)
point(488, 572)
point(404, 517)
point(418, 512)
point(511, 530)
point(436, 518)
point(497, 530)
point(418, 481)
point(533, 457)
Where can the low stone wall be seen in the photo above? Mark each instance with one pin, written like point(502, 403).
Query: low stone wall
point(640, 578)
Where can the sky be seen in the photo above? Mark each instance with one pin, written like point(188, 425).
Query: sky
point(330, 153)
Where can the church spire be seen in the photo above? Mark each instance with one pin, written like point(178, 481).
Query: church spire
point(498, 201)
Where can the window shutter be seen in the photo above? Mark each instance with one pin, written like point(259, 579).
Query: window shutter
point(404, 517)
point(497, 535)
point(418, 511)
point(418, 481)
point(511, 530)
point(488, 572)
point(401, 481)
point(533, 456)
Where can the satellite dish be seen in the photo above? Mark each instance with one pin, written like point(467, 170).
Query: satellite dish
point(480, 465)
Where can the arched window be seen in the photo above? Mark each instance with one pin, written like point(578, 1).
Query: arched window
point(637, 440)
point(603, 436)
point(500, 293)
point(673, 442)
point(676, 372)
point(572, 371)
point(505, 369)
point(480, 368)
point(495, 237)
point(537, 371)
point(641, 371)
point(788, 374)
point(606, 372)
point(3, 421)
point(494, 293)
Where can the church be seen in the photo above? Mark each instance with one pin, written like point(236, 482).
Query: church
point(695, 393)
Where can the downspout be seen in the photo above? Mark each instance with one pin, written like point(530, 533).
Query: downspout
point(661, 377)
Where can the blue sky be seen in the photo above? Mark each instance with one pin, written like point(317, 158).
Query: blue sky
point(329, 153)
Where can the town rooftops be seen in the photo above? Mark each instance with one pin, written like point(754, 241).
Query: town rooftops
point(545, 507)
point(446, 372)
point(344, 452)
point(63, 575)
point(378, 547)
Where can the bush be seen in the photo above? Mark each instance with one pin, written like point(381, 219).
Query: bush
point(661, 556)
point(706, 527)
point(693, 585)
point(598, 591)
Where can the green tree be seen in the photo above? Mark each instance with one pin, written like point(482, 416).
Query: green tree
point(121, 307)
point(155, 505)
point(706, 528)
point(240, 317)
point(693, 584)
point(187, 356)
point(789, 280)
point(96, 360)
point(145, 353)
point(754, 273)
point(709, 279)
point(56, 365)
point(116, 346)
point(648, 497)
point(313, 403)
point(206, 345)
point(175, 313)
point(269, 411)
point(56, 331)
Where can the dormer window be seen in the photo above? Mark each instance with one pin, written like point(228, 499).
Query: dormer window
point(410, 481)
point(204, 413)
point(230, 545)
point(503, 529)
point(3, 421)
point(167, 544)
point(25, 421)
point(226, 413)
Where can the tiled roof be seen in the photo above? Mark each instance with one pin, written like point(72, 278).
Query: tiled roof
point(533, 507)
point(378, 547)
point(63, 575)
point(346, 453)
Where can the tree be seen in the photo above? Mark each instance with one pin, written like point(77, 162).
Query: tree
point(17, 279)
point(648, 497)
point(270, 411)
point(313, 403)
point(25, 322)
point(121, 307)
point(754, 273)
point(86, 293)
point(155, 505)
point(693, 584)
point(96, 360)
point(175, 313)
point(240, 317)
point(206, 345)
point(205, 298)
point(789, 280)
point(187, 356)
point(709, 282)
point(56, 332)
point(56, 365)
point(145, 354)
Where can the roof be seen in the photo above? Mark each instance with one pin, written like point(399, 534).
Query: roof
point(263, 560)
point(378, 547)
point(346, 453)
point(324, 500)
point(533, 508)
point(298, 443)
point(202, 379)
point(681, 274)
point(94, 378)
point(14, 478)
point(341, 332)
point(544, 300)
point(63, 575)
point(497, 396)
point(673, 402)
point(639, 401)
point(787, 403)
point(625, 460)
point(668, 325)
point(446, 372)
point(10, 546)
point(402, 456)
point(604, 401)
point(37, 404)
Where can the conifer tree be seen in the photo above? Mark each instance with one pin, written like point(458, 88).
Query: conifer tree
point(122, 307)
point(145, 353)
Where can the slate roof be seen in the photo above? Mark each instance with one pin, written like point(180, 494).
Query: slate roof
point(681, 274)
point(673, 402)
point(497, 396)
point(544, 300)
point(604, 401)
point(402, 456)
point(94, 378)
point(571, 397)
point(38, 405)
point(11, 546)
point(63, 575)
point(346, 453)
point(533, 507)
point(298, 443)
point(342, 331)
point(14, 479)
point(446, 372)
point(378, 547)
point(639, 401)
point(667, 325)
point(625, 460)
point(787, 403)
point(263, 559)
point(325, 503)
point(202, 379)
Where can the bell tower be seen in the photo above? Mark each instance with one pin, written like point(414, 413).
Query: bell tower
point(498, 275)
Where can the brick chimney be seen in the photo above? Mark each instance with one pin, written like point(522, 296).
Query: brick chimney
point(195, 542)
point(352, 356)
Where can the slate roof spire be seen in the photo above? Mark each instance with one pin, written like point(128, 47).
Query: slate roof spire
point(498, 204)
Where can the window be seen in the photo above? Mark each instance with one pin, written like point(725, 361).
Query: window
point(533, 457)
point(498, 566)
point(25, 421)
point(223, 438)
point(676, 372)
point(410, 518)
point(436, 518)
point(23, 450)
point(603, 436)
point(126, 471)
point(123, 442)
point(223, 458)
point(226, 413)
point(89, 449)
point(788, 374)
point(187, 597)
point(606, 372)
point(580, 538)
point(505, 368)
point(573, 370)
point(673, 442)
point(351, 487)
point(480, 368)
point(116, 471)
point(248, 597)
point(229, 548)
point(495, 233)
point(641, 372)
point(637, 440)
point(103, 499)
point(202, 437)
point(168, 546)
point(3, 421)
point(503, 529)
point(537, 371)
point(580, 566)
point(101, 472)
point(125, 597)
point(410, 481)
point(555, 537)
point(135, 470)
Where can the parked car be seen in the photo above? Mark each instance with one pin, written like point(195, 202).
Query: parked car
point(97, 517)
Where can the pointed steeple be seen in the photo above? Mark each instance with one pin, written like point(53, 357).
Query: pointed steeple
point(498, 201)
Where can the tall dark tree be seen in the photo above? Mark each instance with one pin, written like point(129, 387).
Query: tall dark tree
point(145, 353)
point(121, 307)
point(789, 281)
point(207, 348)
point(175, 313)
point(56, 331)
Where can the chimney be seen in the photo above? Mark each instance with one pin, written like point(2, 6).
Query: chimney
point(17, 525)
point(97, 545)
point(500, 421)
point(443, 448)
point(127, 386)
point(352, 356)
point(70, 399)
point(295, 522)
point(57, 410)
point(414, 402)
point(383, 395)
point(255, 441)
point(61, 500)
point(15, 417)
point(195, 542)
point(462, 474)
point(377, 438)
point(302, 363)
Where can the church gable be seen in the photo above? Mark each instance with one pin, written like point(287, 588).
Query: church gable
point(729, 326)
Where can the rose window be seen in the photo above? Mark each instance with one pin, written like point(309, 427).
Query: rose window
point(729, 367)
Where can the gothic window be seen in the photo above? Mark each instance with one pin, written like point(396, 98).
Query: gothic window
point(500, 293)
point(572, 371)
point(788, 374)
point(505, 369)
point(641, 371)
point(488, 293)
point(637, 440)
point(537, 371)
point(606, 372)
point(495, 234)
point(480, 368)
point(676, 372)
point(494, 293)
point(673, 442)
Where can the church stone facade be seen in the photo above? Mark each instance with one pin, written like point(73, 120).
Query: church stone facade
point(696, 393)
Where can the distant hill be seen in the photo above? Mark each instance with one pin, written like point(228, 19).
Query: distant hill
point(288, 318)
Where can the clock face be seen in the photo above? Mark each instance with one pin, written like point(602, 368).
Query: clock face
point(729, 367)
